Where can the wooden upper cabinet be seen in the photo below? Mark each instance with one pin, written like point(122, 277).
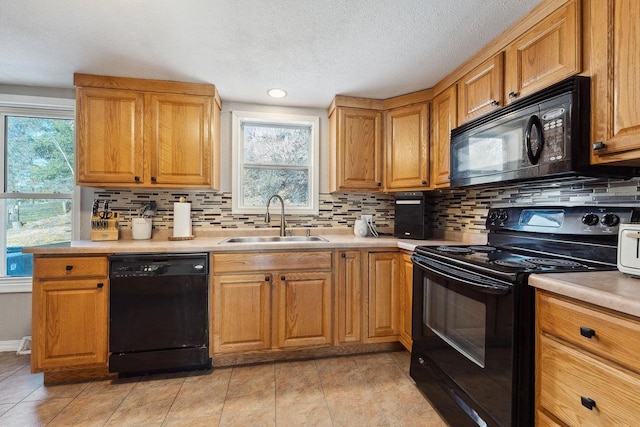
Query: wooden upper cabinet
point(547, 53)
point(109, 135)
point(444, 119)
point(407, 148)
point(146, 133)
point(355, 145)
point(179, 137)
point(481, 90)
point(615, 82)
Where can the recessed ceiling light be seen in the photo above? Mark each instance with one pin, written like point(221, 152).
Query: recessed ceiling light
point(277, 93)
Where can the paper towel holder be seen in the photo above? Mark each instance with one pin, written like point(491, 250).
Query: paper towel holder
point(189, 237)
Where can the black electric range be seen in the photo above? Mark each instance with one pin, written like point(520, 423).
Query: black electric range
point(473, 311)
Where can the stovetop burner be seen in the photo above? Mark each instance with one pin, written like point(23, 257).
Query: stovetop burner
point(454, 249)
point(552, 262)
point(485, 248)
point(514, 264)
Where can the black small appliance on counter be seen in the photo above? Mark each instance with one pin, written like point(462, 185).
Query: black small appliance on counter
point(411, 217)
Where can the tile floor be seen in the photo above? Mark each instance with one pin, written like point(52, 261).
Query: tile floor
point(365, 390)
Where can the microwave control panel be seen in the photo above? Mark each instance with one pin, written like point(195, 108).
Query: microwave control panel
point(553, 130)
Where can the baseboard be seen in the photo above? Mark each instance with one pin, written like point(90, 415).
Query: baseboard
point(12, 345)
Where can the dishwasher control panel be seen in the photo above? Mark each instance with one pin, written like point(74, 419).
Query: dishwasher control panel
point(145, 265)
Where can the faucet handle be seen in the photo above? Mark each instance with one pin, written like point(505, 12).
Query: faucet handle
point(308, 232)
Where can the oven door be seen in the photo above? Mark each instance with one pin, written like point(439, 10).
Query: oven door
point(463, 336)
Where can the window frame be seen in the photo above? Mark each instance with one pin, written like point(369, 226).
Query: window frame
point(32, 106)
point(237, 164)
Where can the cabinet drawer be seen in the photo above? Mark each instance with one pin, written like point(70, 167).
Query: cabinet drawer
point(567, 377)
point(69, 267)
point(617, 338)
point(260, 261)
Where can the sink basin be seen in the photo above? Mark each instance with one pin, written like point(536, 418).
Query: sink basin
point(274, 239)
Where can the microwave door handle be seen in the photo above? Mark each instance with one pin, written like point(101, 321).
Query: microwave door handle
point(534, 121)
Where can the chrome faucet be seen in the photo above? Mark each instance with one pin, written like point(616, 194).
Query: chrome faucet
point(267, 218)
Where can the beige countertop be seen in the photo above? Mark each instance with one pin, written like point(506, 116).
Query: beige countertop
point(609, 289)
point(217, 244)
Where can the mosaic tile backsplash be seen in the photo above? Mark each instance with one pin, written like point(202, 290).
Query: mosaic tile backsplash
point(460, 210)
point(212, 210)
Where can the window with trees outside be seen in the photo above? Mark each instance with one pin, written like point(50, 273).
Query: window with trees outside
point(38, 184)
point(275, 154)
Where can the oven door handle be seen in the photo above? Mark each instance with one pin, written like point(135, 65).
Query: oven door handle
point(490, 285)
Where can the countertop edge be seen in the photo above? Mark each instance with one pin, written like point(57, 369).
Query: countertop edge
point(608, 289)
point(217, 244)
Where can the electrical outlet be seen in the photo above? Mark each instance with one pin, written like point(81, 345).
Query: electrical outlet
point(367, 218)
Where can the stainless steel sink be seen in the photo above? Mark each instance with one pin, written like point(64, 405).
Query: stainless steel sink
point(274, 239)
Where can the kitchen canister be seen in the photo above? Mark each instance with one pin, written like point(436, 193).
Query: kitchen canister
point(360, 228)
point(182, 220)
point(141, 228)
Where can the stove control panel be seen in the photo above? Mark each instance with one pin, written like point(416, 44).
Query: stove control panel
point(589, 220)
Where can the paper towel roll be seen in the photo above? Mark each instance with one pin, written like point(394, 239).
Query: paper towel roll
point(181, 219)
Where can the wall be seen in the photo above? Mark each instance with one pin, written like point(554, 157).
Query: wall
point(212, 209)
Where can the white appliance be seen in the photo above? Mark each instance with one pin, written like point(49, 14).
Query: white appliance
point(629, 249)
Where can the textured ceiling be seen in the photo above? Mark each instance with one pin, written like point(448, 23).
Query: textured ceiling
point(314, 49)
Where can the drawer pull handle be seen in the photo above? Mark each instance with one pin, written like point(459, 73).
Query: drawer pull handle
point(267, 279)
point(587, 403)
point(343, 255)
point(283, 278)
point(587, 332)
point(68, 267)
point(100, 285)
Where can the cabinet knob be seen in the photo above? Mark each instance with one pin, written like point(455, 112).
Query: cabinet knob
point(587, 332)
point(379, 184)
point(68, 267)
point(587, 402)
point(513, 95)
point(599, 146)
point(267, 279)
point(495, 103)
point(343, 255)
point(283, 278)
point(100, 285)
point(136, 178)
point(424, 182)
point(153, 179)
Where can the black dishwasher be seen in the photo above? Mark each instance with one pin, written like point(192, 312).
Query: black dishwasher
point(158, 315)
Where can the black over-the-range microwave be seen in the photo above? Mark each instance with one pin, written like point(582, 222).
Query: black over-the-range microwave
point(544, 135)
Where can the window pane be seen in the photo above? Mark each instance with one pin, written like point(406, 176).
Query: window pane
point(34, 222)
point(274, 145)
point(39, 155)
point(291, 185)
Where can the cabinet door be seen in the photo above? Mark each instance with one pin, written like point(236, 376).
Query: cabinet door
point(548, 53)
point(179, 137)
point(109, 136)
point(349, 297)
point(406, 298)
point(407, 148)
point(356, 150)
point(444, 119)
point(383, 296)
point(304, 309)
point(480, 91)
point(241, 312)
point(615, 120)
point(69, 323)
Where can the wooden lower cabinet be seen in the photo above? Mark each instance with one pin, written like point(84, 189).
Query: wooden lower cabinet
point(304, 309)
point(69, 314)
point(241, 312)
point(284, 303)
point(348, 302)
point(383, 304)
point(406, 298)
point(587, 372)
